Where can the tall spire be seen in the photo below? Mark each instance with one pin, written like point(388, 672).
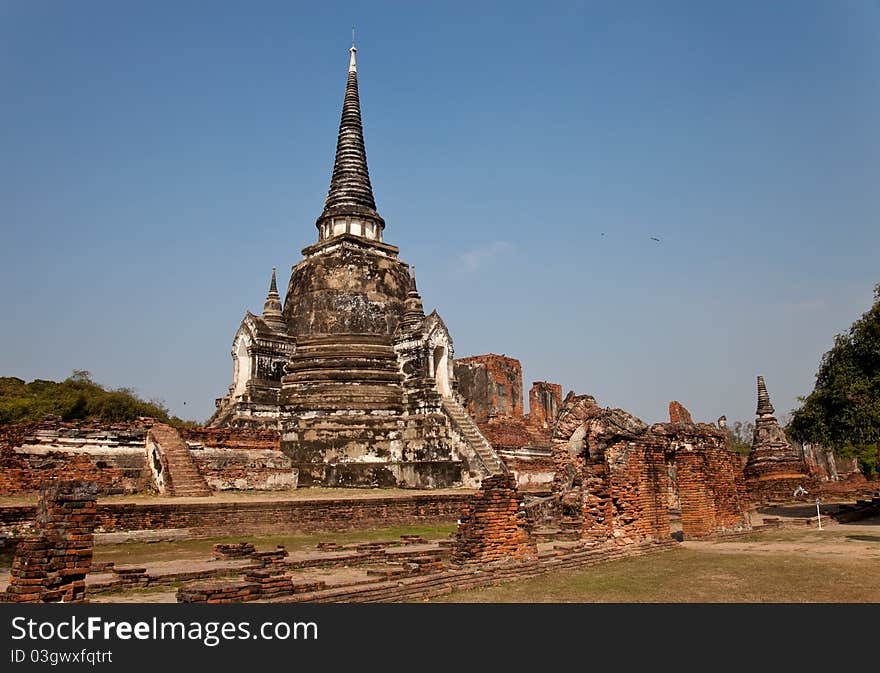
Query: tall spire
point(764, 406)
point(350, 206)
point(272, 308)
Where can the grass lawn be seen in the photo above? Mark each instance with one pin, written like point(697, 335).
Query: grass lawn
point(688, 576)
point(136, 553)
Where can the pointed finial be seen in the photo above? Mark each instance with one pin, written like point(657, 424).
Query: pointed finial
point(352, 62)
point(272, 308)
point(764, 406)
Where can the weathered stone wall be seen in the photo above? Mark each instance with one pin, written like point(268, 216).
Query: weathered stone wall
point(50, 565)
point(346, 286)
point(116, 458)
point(533, 467)
point(245, 469)
point(491, 386)
point(493, 526)
point(241, 459)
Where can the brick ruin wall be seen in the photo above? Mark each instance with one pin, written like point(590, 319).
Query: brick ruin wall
point(493, 526)
point(110, 455)
point(258, 439)
point(50, 565)
point(545, 401)
point(613, 472)
point(492, 388)
point(206, 519)
point(710, 484)
point(114, 457)
point(623, 499)
point(491, 385)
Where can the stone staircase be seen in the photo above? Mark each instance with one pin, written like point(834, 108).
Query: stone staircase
point(182, 477)
point(469, 430)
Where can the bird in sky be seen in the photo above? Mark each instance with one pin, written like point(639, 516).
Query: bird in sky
point(655, 239)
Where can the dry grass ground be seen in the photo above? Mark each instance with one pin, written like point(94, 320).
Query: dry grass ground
point(837, 565)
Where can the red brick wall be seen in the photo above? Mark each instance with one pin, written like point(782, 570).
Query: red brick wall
point(24, 473)
point(678, 413)
point(233, 438)
point(493, 526)
point(545, 401)
point(491, 385)
point(622, 474)
point(241, 518)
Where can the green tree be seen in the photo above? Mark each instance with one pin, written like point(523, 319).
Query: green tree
point(843, 411)
point(740, 435)
point(76, 398)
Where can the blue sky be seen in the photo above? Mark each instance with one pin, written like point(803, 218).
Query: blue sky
point(158, 158)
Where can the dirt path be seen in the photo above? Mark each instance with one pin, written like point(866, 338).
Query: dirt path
point(859, 540)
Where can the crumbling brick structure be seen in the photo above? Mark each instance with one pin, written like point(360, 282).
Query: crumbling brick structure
point(613, 473)
point(709, 479)
point(111, 455)
point(126, 457)
point(775, 469)
point(678, 413)
point(545, 400)
point(492, 388)
point(491, 385)
point(493, 526)
point(50, 566)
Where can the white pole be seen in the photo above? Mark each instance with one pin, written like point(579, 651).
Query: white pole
point(818, 513)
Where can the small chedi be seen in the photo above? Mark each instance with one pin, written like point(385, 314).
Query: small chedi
point(775, 469)
point(349, 369)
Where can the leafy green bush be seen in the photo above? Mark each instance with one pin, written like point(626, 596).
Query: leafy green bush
point(76, 398)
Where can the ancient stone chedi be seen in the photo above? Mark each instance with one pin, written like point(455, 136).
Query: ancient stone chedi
point(353, 373)
point(775, 468)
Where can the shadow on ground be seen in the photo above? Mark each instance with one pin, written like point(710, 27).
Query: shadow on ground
point(864, 538)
